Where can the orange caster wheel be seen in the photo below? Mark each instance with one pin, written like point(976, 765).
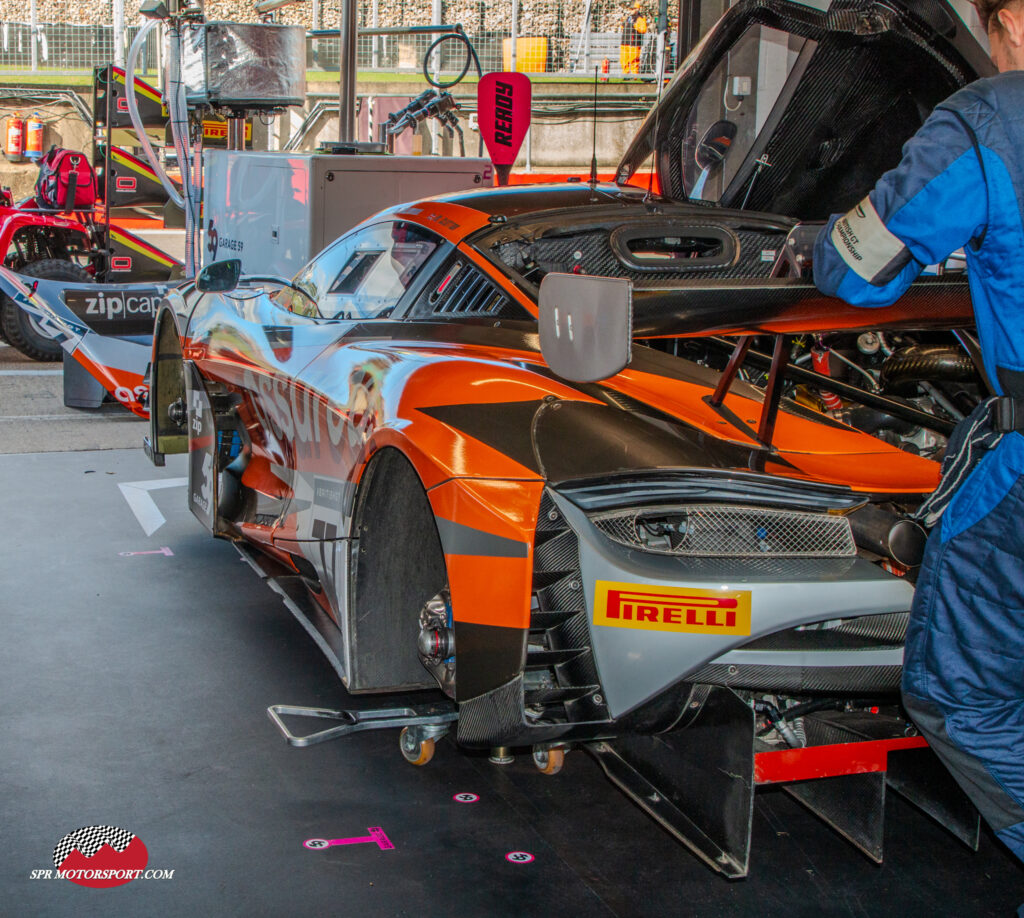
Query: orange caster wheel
point(416, 751)
point(549, 761)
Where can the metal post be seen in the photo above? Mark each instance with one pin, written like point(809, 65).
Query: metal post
point(662, 43)
point(118, 33)
point(33, 34)
point(515, 34)
point(374, 22)
point(689, 28)
point(347, 76)
point(316, 15)
point(236, 133)
point(436, 15)
point(159, 66)
point(586, 36)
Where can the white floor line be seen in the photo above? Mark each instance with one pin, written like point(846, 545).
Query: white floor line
point(66, 417)
point(31, 372)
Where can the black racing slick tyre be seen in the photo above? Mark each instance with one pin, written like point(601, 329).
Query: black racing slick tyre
point(19, 328)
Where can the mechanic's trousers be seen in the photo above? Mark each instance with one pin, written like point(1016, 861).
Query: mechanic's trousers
point(963, 671)
point(629, 58)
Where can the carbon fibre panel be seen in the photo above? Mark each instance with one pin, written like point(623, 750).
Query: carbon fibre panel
point(867, 679)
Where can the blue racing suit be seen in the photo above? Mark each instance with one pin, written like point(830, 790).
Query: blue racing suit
point(961, 184)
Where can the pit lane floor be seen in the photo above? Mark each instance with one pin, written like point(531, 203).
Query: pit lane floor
point(135, 695)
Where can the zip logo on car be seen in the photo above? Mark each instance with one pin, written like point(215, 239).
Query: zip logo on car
point(113, 311)
point(682, 610)
point(100, 856)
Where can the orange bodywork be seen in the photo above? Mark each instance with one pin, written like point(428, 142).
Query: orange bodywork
point(318, 402)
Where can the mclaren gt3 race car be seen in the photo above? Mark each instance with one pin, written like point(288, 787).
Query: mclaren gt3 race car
point(698, 566)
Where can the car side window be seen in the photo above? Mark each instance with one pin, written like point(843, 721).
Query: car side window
point(745, 94)
point(364, 275)
point(315, 279)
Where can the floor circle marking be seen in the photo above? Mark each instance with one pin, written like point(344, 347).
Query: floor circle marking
point(519, 857)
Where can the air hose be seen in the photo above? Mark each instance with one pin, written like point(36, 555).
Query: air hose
point(910, 365)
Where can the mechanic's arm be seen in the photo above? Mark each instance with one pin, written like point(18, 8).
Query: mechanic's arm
point(919, 213)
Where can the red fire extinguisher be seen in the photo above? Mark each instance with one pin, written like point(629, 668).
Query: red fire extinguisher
point(14, 145)
point(34, 138)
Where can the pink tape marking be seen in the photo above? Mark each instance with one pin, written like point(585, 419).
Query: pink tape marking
point(376, 837)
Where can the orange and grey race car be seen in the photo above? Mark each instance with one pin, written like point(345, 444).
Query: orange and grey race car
point(568, 561)
point(697, 565)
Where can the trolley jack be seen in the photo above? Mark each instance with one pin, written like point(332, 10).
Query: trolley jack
point(421, 726)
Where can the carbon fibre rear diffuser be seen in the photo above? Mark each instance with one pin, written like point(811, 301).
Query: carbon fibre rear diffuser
point(699, 783)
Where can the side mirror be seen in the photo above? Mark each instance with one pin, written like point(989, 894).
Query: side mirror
point(715, 144)
point(586, 325)
point(220, 276)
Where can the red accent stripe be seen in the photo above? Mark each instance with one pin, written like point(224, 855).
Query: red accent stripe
point(829, 761)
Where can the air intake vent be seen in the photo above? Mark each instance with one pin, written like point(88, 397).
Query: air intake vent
point(464, 291)
point(560, 680)
point(722, 531)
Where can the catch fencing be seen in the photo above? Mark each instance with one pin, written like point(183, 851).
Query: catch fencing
point(559, 38)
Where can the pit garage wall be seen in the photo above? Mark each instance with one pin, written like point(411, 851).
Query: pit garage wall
point(64, 127)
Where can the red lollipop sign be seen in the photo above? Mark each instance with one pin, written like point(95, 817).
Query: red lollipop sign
point(503, 110)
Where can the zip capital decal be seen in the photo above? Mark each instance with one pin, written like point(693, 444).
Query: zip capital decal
point(683, 610)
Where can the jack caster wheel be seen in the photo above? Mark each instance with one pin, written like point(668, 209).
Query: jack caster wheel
point(549, 761)
point(416, 751)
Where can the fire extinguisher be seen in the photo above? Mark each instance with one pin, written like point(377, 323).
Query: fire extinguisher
point(14, 145)
point(821, 363)
point(34, 138)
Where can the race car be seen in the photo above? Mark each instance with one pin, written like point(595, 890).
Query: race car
point(703, 581)
point(568, 561)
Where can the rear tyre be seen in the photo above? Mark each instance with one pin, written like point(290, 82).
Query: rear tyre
point(397, 567)
point(22, 330)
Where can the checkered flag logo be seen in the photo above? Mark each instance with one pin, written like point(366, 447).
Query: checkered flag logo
point(89, 840)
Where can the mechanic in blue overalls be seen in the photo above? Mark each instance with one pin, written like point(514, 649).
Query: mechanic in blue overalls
point(961, 184)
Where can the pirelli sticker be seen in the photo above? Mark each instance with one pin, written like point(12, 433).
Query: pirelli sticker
point(682, 610)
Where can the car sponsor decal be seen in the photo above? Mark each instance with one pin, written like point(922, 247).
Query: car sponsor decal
point(116, 310)
point(683, 610)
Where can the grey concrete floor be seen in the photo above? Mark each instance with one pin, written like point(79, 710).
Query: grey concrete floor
point(135, 692)
point(33, 418)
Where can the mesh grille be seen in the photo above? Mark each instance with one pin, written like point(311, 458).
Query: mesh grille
point(714, 530)
point(464, 291)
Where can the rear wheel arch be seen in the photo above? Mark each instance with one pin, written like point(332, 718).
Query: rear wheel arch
point(167, 384)
point(396, 564)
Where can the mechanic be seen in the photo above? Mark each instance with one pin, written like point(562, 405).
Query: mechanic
point(634, 27)
point(961, 184)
